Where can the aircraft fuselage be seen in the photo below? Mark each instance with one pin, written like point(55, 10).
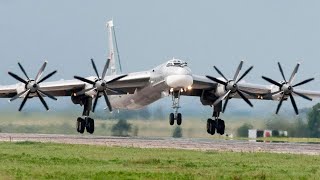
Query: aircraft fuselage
point(163, 78)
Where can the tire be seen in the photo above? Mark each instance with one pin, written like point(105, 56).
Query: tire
point(78, 124)
point(81, 125)
point(179, 119)
point(218, 126)
point(171, 119)
point(208, 126)
point(90, 125)
point(221, 126)
point(212, 127)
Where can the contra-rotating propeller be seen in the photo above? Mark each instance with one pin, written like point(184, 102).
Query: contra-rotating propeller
point(231, 86)
point(100, 85)
point(32, 86)
point(286, 88)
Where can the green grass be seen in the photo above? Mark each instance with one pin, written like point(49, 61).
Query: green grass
point(29, 160)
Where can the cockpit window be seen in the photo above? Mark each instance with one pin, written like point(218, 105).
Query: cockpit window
point(177, 63)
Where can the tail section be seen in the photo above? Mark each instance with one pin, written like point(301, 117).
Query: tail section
point(113, 50)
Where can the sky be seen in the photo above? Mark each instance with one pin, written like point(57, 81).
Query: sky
point(204, 33)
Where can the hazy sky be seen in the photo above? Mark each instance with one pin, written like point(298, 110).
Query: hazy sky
point(205, 33)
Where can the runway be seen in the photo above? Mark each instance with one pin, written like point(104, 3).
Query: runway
point(169, 143)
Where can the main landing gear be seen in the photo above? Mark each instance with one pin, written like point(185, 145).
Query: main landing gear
point(216, 124)
point(175, 105)
point(85, 122)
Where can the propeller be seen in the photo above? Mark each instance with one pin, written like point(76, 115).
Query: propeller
point(231, 86)
point(33, 86)
point(287, 88)
point(100, 85)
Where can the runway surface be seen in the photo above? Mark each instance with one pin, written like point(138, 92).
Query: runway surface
point(169, 143)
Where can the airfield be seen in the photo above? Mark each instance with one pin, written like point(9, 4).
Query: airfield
point(200, 144)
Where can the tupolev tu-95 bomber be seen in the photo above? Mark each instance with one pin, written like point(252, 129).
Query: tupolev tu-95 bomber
point(139, 89)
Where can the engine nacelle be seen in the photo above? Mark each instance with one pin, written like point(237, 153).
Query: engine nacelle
point(278, 96)
point(77, 99)
point(207, 98)
point(20, 88)
point(220, 91)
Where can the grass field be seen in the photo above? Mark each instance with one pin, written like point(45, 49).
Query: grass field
point(28, 160)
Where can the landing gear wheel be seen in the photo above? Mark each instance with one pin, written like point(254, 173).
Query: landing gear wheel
point(90, 125)
point(81, 125)
point(211, 126)
point(179, 119)
point(171, 119)
point(208, 126)
point(220, 127)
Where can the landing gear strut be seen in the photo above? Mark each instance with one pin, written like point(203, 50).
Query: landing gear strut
point(175, 105)
point(216, 124)
point(85, 122)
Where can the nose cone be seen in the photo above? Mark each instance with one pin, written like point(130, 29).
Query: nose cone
point(181, 78)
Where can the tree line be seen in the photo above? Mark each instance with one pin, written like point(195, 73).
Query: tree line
point(300, 126)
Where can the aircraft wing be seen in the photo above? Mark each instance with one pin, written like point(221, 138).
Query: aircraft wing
point(252, 91)
point(203, 84)
point(127, 84)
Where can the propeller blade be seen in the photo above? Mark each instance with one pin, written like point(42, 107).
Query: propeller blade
point(47, 77)
point(302, 95)
point(221, 98)
point(95, 68)
point(41, 71)
point(271, 81)
point(116, 79)
point(84, 91)
point(107, 101)
point(48, 95)
point(17, 96)
point(95, 104)
point(244, 74)
point(17, 78)
point(43, 101)
point(24, 100)
point(226, 103)
point(280, 103)
point(236, 75)
point(280, 68)
point(294, 73)
point(105, 70)
point(219, 72)
point(303, 82)
point(24, 72)
point(294, 104)
point(217, 80)
point(244, 98)
point(84, 80)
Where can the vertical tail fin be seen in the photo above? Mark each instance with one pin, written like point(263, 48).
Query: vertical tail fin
point(113, 50)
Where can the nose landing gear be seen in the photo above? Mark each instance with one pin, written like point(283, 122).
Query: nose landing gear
point(175, 105)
